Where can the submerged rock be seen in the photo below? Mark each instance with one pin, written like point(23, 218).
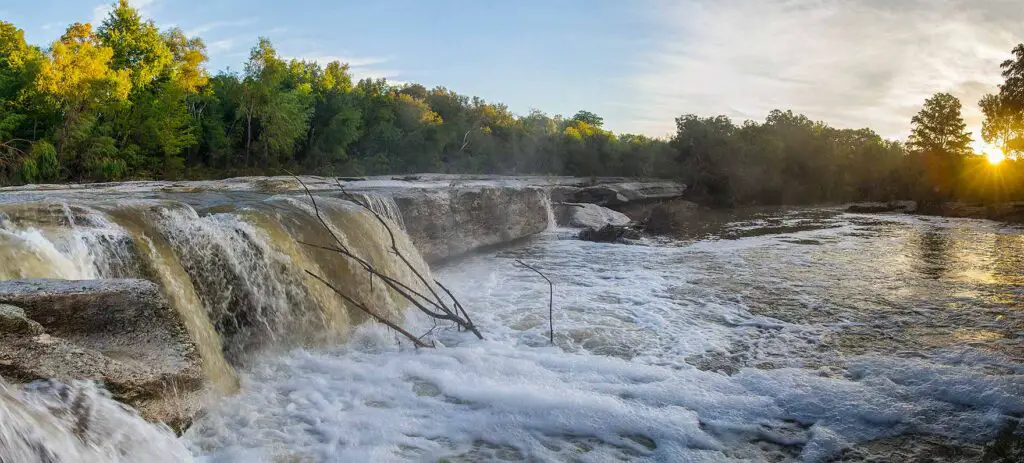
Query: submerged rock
point(608, 234)
point(121, 333)
point(588, 215)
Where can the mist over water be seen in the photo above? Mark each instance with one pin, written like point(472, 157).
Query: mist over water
point(778, 335)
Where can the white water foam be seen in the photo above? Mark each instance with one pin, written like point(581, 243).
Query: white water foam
point(51, 422)
point(617, 385)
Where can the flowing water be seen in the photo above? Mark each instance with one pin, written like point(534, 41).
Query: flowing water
point(770, 335)
point(801, 335)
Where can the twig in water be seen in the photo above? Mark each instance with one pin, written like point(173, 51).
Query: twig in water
point(551, 300)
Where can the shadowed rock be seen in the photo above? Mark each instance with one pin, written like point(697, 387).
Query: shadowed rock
point(587, 215)
point(618, 194)
point(119, 332)
point(608, 234)
point(450, 222)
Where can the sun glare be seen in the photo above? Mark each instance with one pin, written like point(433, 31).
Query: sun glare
point(992, 153)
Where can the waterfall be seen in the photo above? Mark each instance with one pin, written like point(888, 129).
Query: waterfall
point(57, 423)
point(384, 206)
point(237, 276)
point(550, 211)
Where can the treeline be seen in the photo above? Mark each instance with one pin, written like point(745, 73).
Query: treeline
point(126, 100)
point(792, 159)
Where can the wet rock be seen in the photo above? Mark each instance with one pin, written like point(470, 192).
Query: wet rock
point(878, 207)
point(119, 332)
point(579, 215)
point(13, 320)
point(667, 217)
point(608, 234)
point(446, 223)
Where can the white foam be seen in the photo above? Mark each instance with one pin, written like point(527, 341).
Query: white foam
point(626, 319)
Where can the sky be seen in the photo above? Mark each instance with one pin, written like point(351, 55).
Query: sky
point(638, 63)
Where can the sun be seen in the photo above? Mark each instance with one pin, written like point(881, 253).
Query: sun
point(995, 156)
point(992, 153)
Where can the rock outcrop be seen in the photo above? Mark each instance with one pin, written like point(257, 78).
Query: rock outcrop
point(618, 194)
point(582, 215)
point(118, 332)
point(446, 223)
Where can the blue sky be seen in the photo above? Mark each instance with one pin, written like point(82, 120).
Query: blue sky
point(638, 63)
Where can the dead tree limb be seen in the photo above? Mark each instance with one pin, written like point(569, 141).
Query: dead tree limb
point(437, 301)
point(419, 300)
point(370, 312)
point(551, 300)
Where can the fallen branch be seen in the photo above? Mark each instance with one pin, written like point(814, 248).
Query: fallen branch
point(551, 300)
point(371, 313)
point(434, 307)
point(437, 301)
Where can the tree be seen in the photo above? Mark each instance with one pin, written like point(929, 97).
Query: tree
point(589, 118)
point(940, 139)
point(939, 128)
point(137, 45)
point(78, 80)
point(1004, 111)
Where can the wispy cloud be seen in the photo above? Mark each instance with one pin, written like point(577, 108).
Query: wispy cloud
point(204, 28)
point(853, 64)
point(220, 46)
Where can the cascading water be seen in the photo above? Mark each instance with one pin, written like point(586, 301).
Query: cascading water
point(384, 206)
point(51, 422)
point(237, 276)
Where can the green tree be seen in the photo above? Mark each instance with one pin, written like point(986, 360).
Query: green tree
point(939, 128)
point(1004, 112)
point(939, 137)
point(78, 81)
point(589, 118)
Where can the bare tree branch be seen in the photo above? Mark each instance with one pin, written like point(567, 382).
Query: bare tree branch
point(373, 314)
point(551, 300)
point(421, 301)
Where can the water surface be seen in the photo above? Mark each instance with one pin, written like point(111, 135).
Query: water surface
point(773, 335)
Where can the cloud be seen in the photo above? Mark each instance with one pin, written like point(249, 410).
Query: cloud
point(219, 46)
point(853, 64)
point(204, 28)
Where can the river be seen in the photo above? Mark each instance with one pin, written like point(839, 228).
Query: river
point(775, 335)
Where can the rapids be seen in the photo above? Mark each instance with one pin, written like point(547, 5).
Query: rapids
point(785, 335)
point(770, 335)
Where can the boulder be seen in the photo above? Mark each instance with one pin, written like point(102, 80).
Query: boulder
point(665, 218)
point(584, 215)
point(118, 332)
point(446, 223)
point(608, 234)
